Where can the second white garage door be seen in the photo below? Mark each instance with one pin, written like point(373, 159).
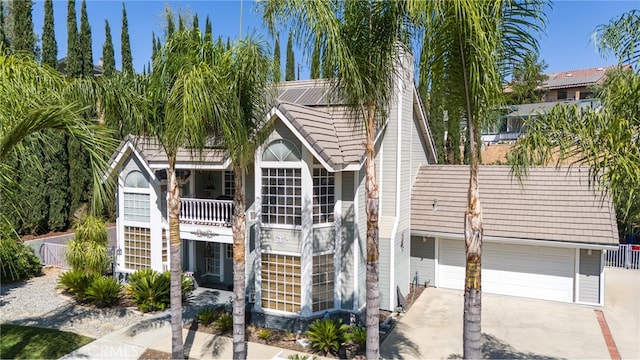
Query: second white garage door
point(529, 271)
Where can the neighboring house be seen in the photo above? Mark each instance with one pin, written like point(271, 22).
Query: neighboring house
point(544, 240)
point(306, 243)
point(97, 69)
point(573, 84)
point(512, 125)
point(572, 87)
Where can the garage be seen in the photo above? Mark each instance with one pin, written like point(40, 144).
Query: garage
point(537, 272)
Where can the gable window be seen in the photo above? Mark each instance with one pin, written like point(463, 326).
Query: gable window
point(281, 196)
point(281, 184)
point(136, 198)
point(323, 196)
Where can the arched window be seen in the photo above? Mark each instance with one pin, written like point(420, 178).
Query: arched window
point(281, 150)
point(136, 179)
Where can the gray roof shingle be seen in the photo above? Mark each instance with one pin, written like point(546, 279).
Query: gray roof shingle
point(552, 205)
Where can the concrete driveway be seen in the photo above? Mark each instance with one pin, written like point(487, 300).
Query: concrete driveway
point(521, 328)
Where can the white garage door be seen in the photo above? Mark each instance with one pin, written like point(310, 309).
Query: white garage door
point(530, 271)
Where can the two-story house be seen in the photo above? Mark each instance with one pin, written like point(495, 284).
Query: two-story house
point(305, 192)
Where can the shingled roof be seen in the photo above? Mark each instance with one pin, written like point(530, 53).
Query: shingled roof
point(576, 78)
point(151, 151)
point(552, 205)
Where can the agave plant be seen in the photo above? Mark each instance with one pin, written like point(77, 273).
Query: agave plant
point(327, 335)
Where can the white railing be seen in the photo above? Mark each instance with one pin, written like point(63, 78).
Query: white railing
point(626, 256)
point(206, 212)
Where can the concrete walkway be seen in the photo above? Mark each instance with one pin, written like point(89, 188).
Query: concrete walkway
point(522, 328)
point(131, 342)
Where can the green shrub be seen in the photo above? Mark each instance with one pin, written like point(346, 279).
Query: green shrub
point(264, 334)
point(207, 316)
point(326, 335)
point(17, 261)
point(76, 282)
point(358, 336)
point(103, 292)
point(301, 357)
point(87, 256)
point(224, 322)
point(150, 290)
point(92, 229)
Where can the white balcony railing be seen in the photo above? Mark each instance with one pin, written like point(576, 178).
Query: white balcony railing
point(206, 212)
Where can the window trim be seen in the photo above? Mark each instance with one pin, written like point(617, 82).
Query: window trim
point(263, 196)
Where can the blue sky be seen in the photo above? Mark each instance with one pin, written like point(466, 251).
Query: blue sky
point(566, 45)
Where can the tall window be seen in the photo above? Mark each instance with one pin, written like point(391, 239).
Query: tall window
point(136, 198)
point(137, 248)
point(281, 282)
point(229, 184)
point(281, 196)
point(323, 280)
point(323, 196)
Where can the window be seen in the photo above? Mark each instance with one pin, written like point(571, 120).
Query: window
point(229, 184)
point(323, 196)
point(136, 179)
point(165, 240)
point(229, 251)
point(137, 207)
point(281, 150)
point(281, 196)
point(137, 248)
point(281, 282)
point(322, 282)
point(562, 94)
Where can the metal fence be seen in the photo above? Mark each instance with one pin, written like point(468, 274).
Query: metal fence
point(54, 255)
point(627, 256)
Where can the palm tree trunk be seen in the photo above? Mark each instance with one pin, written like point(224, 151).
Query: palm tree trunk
point(472, 330)
point(373, 255)
point(239, 231)
point(177, 349)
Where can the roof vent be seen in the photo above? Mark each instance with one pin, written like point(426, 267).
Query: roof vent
point(600, 69)
point(569, 75)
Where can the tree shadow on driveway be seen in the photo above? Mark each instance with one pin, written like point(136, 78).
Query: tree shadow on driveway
point(494, 348)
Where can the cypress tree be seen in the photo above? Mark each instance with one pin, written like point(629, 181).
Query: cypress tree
point(207, 30)
point(171, 25)
point(56, 174)
point(73, 67)
point(108, 57)
point(49, 45)
point(33, 193)
point(4, 40)
point(125, 50)
point(277, 70)
point(290, 73)
point(85, 42)
point(315, 61)
point(180, 22)
point(24, 39)
point(196, 22)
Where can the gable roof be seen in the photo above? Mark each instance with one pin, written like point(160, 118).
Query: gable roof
point(154, 155)
point(552, 205)
point(576, 78)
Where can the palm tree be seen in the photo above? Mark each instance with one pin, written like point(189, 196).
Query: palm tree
point(35, 98)
point(182, 104)
point(622, 37)
point(470, 44)
point(362, 41)
point(241, 134)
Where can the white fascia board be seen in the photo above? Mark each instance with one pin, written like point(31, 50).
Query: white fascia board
point(519, 241)
point(425, 125)
point(275, 112)
point(193, 166)
point(127, 149)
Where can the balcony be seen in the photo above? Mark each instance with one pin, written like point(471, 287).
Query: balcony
point(206, 212)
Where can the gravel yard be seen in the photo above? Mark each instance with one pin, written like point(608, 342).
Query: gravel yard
point(37, 302)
